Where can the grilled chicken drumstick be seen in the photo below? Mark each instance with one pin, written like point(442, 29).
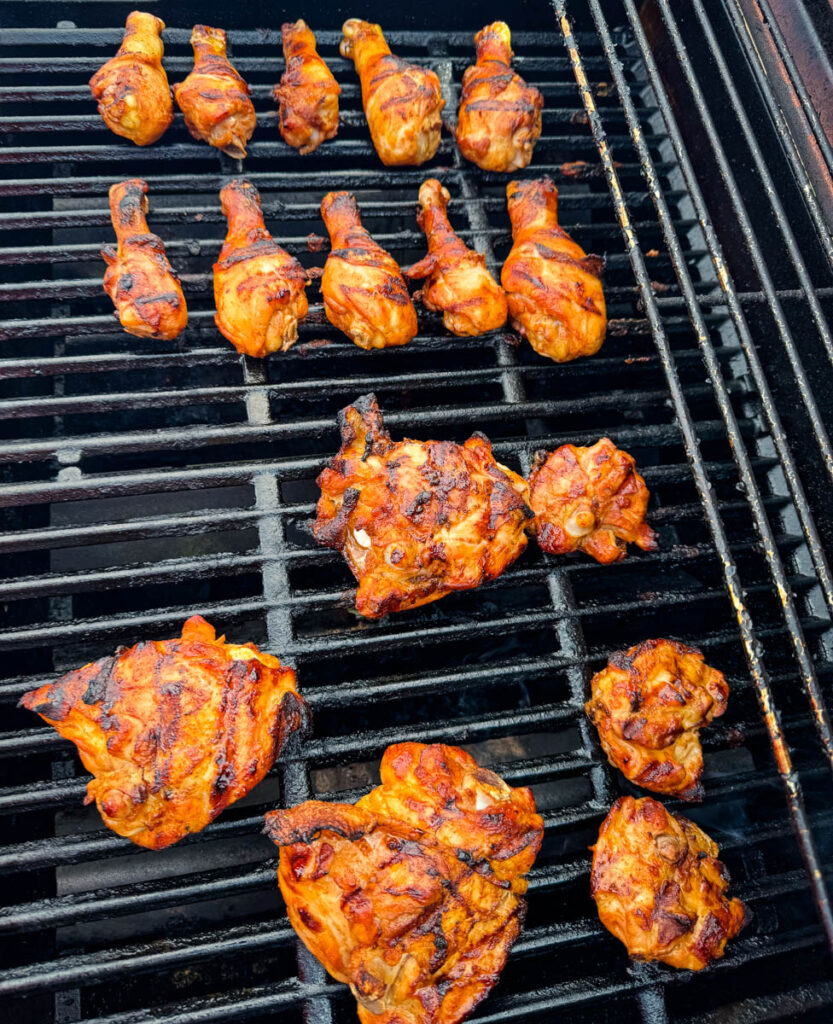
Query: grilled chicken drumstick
point(144, 289)
point(459, 285)
point(308, 93)
point(414, 895)
point(402, 102)
point(554, 289)
point(132, 88)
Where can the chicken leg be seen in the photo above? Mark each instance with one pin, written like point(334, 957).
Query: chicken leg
point(308, 93)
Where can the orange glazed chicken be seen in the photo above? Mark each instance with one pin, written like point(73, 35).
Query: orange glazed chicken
point(402, 102)
point(258, 287)
point(660, 888)
point(500, 115)
point(364, 292)
point(308, 93)
point(214, 98)
point(132, 89)
point(459, 286)
point(416, 520)
point(414, 895)
point(554, 289)
point(649, 705)
point(144, 289)
point(173, 731)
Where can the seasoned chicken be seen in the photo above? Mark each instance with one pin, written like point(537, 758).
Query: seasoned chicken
point(500, 115)
point(660, 888)
point(412, 896)
point(554, 289)
point(402, 102)
point(144, 289)
point(214, 98)
point(364, 292)
point(416, 520)
point(591, 500)
point(459, 286)
point(173, 731)
point(649, 705)
point(308, 93)
point(132, 88)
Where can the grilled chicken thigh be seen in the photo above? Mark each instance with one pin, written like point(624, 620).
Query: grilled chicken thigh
point(173, 731)
point(459, 285)
point(412, 896)
point(308, 93)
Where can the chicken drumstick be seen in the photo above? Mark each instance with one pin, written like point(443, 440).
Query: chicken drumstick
point(308, 93)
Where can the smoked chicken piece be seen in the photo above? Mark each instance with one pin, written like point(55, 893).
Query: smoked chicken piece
point(459, 286)
point(591, 500)
point(412, 896)
point(258, 287)
point(402, 102)
point(554, 289)
point(308, 93)
point(214, 98)
point(416, 520)
point(500, 115)
point(364, 292)
point(144, 289)
point(649, 705)
point(660, 888)
point(173, 731)
point(132, 89)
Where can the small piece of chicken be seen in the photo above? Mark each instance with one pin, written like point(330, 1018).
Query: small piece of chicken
point(412, 896)
point(132, 88)
point(139, 279)
point(554, 289)
point(459, 285)
point(364, 292)
point(173, 731)
point(416, 520)
point(591, 500)
point(308, 93)
point(402, 102)
point(649, 705)
point(500, 115)
point(214, 98)
point(660, 888)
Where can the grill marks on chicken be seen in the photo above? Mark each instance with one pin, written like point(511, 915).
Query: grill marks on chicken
point(308, 93)
point(412, 896)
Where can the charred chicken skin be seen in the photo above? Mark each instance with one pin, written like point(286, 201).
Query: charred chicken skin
point(214, 98)
point(364, 292)
point(500, 115)
point(554, 289)
point(660, 888)
point(649, 705)
point(144, 289)
point(412, 896)
point(459, 286)
point(173, 731)
point(258, 287)
point(132, 89)
point(402, 102)
point(308, 93)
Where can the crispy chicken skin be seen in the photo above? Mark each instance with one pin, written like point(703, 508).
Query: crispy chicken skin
point(173, 731)
point(459, 286)
point(402, 102)
point(416, 520)
point(649, 705)
point(500, 115)
point(132, 88)
point(364, 292)
point(139, 280)
point(214, 98)
point(660, 888)
point(554, 289)
point(591, 500)
point(258, 287)
point(412, 896)
point(308, 94)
